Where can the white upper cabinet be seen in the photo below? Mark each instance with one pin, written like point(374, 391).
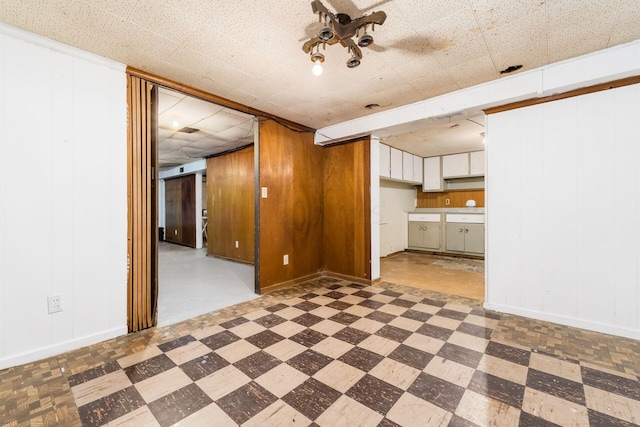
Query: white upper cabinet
point(407, 166)
point(385, 161)
point(432, 176)
point(417, 169)
point(396, 164)
point(399, 165)
point(455, 165)
point(476, 162)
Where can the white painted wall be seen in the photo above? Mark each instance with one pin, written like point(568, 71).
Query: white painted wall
point(62, 132)
point(396, 199)
point(563, 211)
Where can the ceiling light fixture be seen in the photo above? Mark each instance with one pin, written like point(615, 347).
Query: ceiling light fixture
point(341, 28)
point(326, 33)
point(317, 58)
point(366, 39)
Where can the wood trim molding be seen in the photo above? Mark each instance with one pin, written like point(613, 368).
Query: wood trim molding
point(569, 94)
point(189, 90)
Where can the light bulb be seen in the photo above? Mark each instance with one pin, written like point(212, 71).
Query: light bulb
point(317, 67)
point(175, 123)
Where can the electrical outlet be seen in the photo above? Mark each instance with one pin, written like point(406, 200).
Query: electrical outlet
point(447, 201)
point(54, 304)
point(285, 260)
point(264, 192)
point(237, 244)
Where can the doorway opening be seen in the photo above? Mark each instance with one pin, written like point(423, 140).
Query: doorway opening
point(432, 204)
point(204, 262)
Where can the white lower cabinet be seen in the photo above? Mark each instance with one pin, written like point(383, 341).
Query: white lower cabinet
point(465, 233)
point(425, 231)
point(424, 235)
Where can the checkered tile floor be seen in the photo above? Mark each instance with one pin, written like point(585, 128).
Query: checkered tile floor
point(352, 355)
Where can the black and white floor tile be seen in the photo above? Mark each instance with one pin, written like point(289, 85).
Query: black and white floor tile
point(346, 355)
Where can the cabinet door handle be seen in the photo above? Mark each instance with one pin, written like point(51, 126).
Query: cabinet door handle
point(460, 230)
point(466, 230)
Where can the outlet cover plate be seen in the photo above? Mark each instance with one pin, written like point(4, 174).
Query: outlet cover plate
point(54, 304)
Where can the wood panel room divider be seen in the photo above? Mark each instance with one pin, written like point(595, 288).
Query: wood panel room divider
point(142, 233)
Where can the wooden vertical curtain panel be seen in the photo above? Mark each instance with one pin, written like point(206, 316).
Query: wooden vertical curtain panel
point(142, 283)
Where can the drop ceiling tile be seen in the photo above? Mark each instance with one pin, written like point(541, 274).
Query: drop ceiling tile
point(170, 144)
point(190, 137)
point(473, 72)
point(164, 133)
point(192, 110)
point(521, 41)
point(349, 109)
point(389, 98)
point(626, 25)
point(122, 8)
point(85, 17)
point(450, 31)
point(168, 99)
point(29, 15)
point(491, 14)
point(565, 14)
point(136, 42)
point(434, 85)
point(209, 143)
point(234, 134)
point(157, 16)
point(461, 51)
point(73, 36)
point(575, 41)
point(191, 151)
point(416, 60)
point(234, 118)
point(420, 10)
point(283, 99)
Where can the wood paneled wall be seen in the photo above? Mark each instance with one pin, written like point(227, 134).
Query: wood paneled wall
point(457, 199)
point(230, 203)
point(180, 210)
point(291, 217)
point(347, 217)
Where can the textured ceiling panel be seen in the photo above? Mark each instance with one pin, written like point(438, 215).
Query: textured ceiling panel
point(251, 52)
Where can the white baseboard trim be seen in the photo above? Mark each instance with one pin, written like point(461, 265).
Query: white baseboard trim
point(52, 350)
point(590, 325)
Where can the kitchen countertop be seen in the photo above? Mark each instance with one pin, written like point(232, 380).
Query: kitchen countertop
point(449, 210)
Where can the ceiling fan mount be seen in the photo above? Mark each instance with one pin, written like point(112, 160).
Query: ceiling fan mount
point(343, 18)
point(340, 28)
